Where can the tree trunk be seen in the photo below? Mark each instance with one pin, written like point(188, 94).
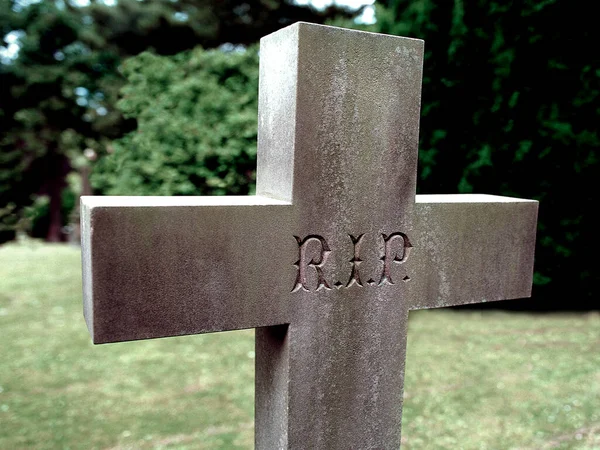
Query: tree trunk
point(55, 185)
point(75, 217)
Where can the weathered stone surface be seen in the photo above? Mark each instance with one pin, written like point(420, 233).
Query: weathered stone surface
point(330, 256)
point(162, 266)
point(471, 249)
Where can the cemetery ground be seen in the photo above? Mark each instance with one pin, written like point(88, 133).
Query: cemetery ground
point(474, 380)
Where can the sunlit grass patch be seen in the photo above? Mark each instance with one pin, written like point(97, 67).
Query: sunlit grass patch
point(474, 380)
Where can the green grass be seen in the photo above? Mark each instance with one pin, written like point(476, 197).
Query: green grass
point(474, 380)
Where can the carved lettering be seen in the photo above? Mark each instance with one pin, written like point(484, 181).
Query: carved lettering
point(314, 250)
point(355, 261)
point(316, 263)
point(391, 256)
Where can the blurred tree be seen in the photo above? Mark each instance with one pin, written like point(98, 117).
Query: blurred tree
point(59, 80)
point(510, 106)
point(171, 26)
point(197, 120)
point(52, 96)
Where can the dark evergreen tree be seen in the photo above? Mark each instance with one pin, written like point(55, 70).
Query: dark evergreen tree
point(510, 106)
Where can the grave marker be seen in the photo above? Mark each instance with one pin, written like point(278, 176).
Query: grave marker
point(329, 257)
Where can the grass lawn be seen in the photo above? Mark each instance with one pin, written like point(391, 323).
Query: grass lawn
point(474, 380)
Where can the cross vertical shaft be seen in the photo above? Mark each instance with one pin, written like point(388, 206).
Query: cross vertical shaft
point(338, 133)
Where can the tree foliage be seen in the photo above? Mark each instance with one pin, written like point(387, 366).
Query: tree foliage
point(510, 106)
point(52, 101)
point(171, 26)
point(59, 87)
point(196, 114)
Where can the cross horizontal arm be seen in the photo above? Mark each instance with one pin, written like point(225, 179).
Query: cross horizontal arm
point(471, 248)
point(168, 266)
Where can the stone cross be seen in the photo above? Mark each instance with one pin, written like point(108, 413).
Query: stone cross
point(329, 257)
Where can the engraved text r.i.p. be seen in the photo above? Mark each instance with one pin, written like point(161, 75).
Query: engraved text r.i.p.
point(314, 250)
